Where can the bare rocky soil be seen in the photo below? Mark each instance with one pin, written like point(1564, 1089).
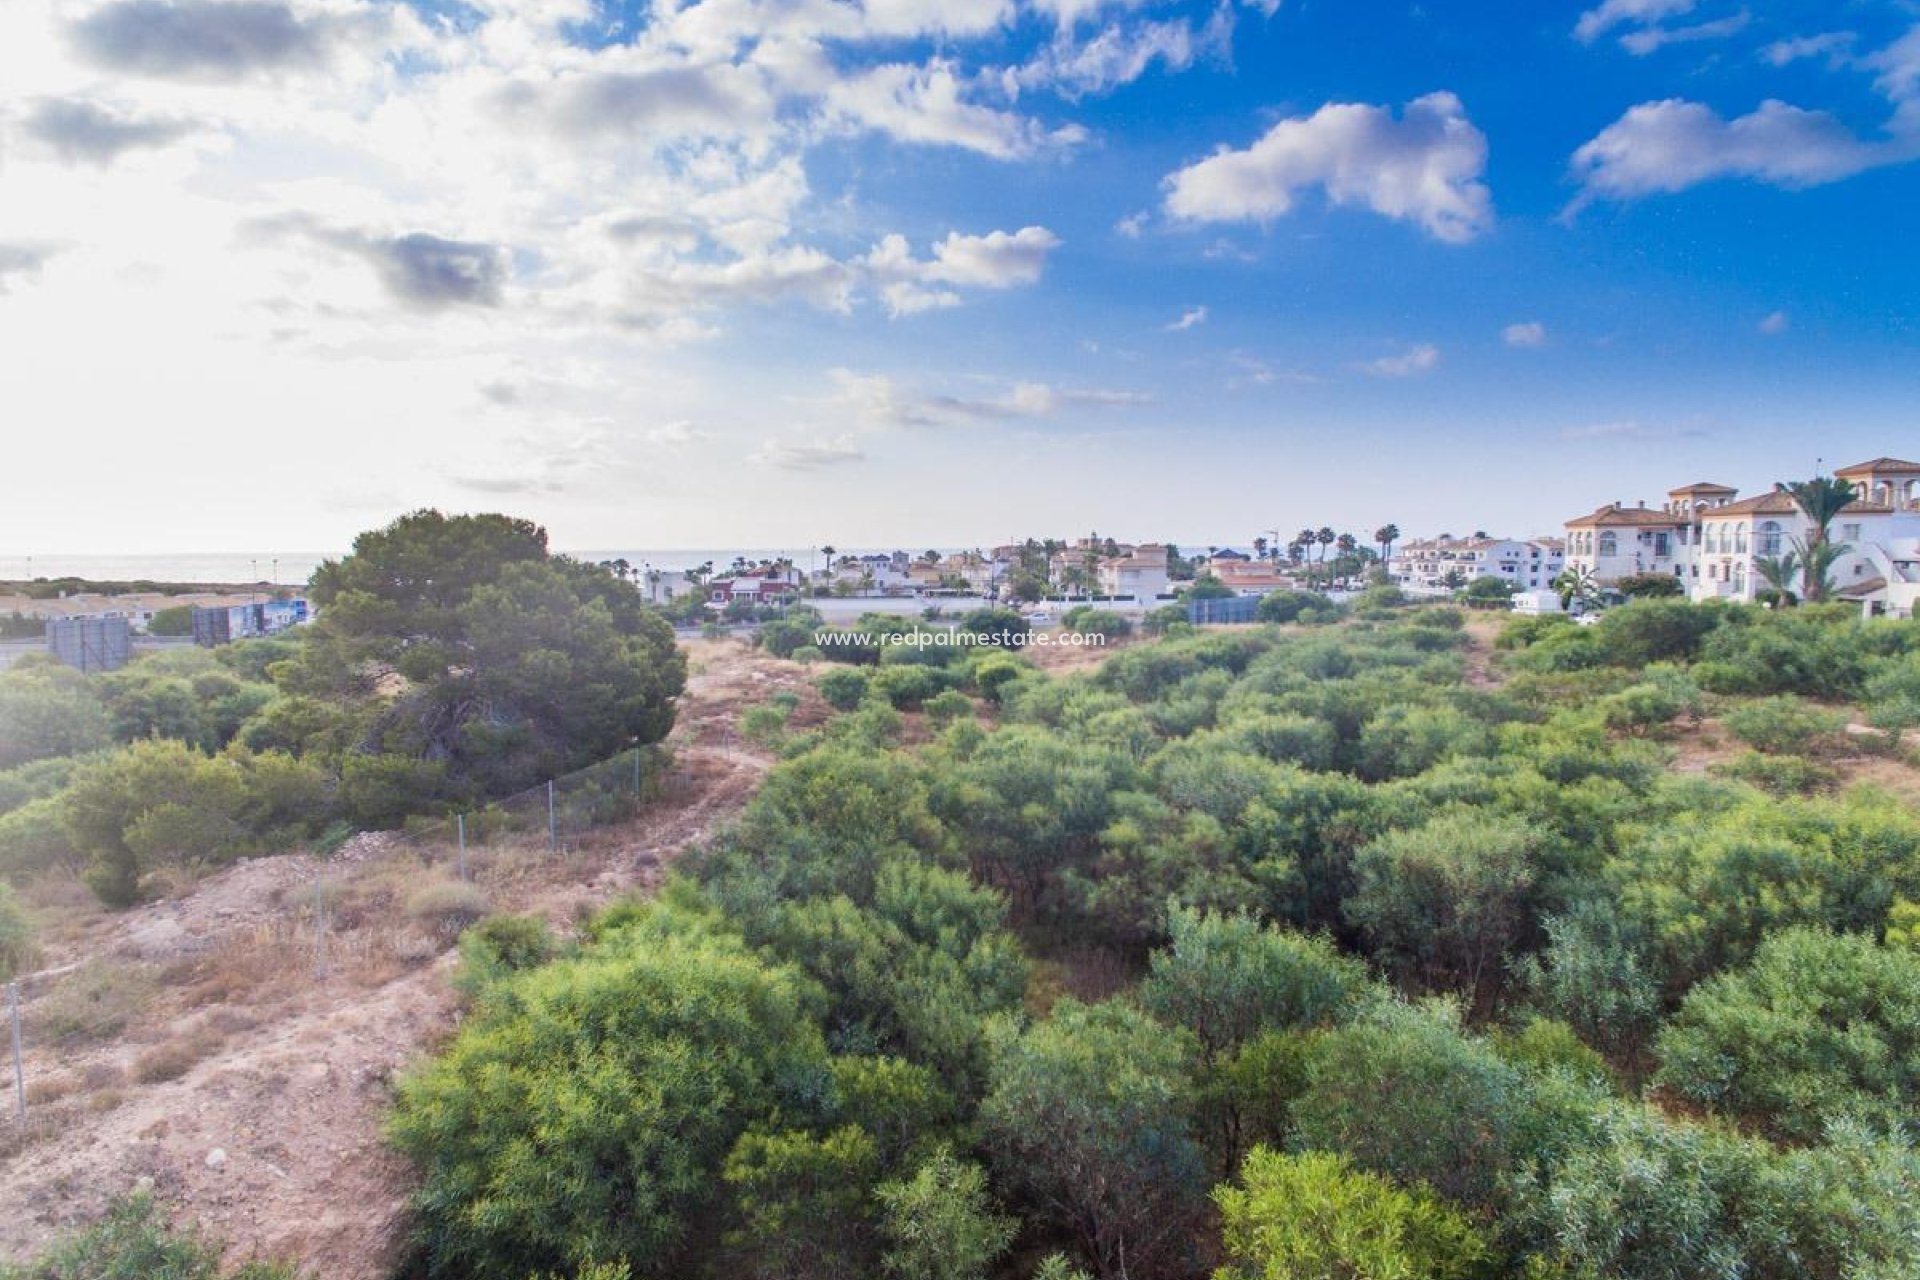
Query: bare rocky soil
point(205, 1047)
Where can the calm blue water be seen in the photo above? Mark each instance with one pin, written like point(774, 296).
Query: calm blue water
point(294, 567)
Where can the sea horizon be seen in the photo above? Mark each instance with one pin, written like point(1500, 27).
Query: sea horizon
point(295, 568)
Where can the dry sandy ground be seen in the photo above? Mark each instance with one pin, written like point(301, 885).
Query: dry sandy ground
point(218, 1065)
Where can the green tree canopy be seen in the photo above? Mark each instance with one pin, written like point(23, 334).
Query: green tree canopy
point(464, 647)
point(1314, 1216)
point(585, 1116)
point(1088, 1116)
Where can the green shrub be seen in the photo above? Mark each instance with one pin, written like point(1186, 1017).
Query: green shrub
point(1818, 1027)
point(1780, 775)
point(133, 1242)
point(1313, 1216)
point(500, 946)
point(160, 804)
point(16, 935)
point(844, 690)
point(1784, 725)
point(763, 725)
point(586, 1114)
point(945, 708)
point(907, 687)
point(447, 907)
point(35, 838)
point(941, 1223)
point(1295, 606)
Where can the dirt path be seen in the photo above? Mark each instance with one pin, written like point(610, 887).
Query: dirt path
point(203, 1048)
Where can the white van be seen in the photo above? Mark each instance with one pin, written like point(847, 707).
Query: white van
point(1536, 603)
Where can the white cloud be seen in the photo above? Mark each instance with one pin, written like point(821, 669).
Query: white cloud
point(1672, 145)
point(21, 262)
point(807, 454)
point(1775, 322)
point(1421, 358)
point(672, 435)
point(1119, 54)
point(1898, 68)
point(1190, 318)
point(998, 260)
point(880, 402)
point(1832, 45)
point(1131, 226)
point(1529, 333)
point(1596, 22)
point(1652, 39)
point(1425, 167)
point(925, 104)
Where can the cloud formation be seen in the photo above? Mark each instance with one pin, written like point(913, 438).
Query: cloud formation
point(218, 40)
point(1423, 357)
point(1612, 14)
point(82, 131)
point(1530, 333)
point(421, 271)
point(1675, 144)
point(1425, 167)
point(807, 454)
point(1191, 318)
point(20, 262)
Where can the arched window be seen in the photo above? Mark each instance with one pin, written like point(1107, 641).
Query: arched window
point(1768, 541)
point(1740, 540)
point(1609, 545)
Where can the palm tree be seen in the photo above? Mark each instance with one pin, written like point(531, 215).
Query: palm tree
point(1781, 573)
point(1385, 536)
point(1820, 500)
point(1260, 548)
point(1324, 535)
point(1575, 582)
point(1816, 566)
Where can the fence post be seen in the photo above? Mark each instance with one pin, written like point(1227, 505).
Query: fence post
point(460, 822)
point(19, 1072)
point(553, 826)
point(319, 929)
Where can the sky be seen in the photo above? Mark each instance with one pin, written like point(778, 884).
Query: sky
point(940, 272)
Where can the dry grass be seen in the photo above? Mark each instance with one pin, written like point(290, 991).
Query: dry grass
point(176, 1057)
point(94, 1002)
point(447, 907)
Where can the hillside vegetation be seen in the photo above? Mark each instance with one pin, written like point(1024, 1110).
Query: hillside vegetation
point(1325, 952)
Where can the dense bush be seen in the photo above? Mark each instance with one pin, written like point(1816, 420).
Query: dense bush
point(585, 1120)
point(1816, 1028)
point(1314, 1217)
point(1784, 725)
point(1328, 917)
point(161, 804)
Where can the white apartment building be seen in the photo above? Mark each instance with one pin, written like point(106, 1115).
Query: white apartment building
point(1440, 564)
point(1142, 574)
point(1713, 540)
point(1880, 568)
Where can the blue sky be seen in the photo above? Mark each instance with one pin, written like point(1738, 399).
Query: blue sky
point(751, 273)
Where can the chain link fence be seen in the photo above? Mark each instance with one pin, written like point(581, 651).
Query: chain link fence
point(56, 1017)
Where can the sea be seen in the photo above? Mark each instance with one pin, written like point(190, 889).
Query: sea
point(294, 568)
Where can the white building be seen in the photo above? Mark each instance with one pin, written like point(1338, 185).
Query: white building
point(1141, 575)
point(1880, 568)
point(1713, 541)
point(1441, 564)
